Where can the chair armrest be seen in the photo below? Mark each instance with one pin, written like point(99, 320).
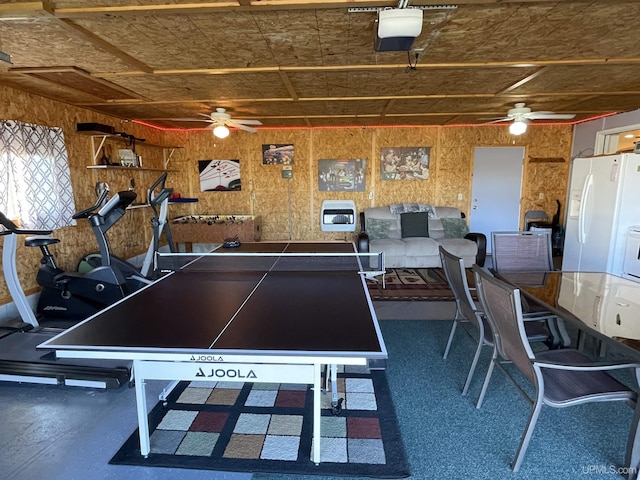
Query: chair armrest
point(571, 359)
point(586, 367)
point(363, 238)
point(481, 241)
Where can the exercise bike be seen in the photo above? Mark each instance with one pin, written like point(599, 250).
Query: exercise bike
point(20, 360)
point(158, 197)
point(74, 296)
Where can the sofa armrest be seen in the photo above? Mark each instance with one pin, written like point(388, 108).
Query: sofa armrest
point(481, 240)
point(363, 238)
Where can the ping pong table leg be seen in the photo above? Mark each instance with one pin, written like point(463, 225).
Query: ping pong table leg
point(317, 411)
point(141, 404)
point(336, 402)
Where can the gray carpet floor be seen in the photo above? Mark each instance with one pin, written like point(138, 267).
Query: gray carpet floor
point(446, 437)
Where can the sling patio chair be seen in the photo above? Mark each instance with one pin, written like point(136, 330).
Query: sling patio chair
point(561, 377)
point(468, 311)
point(528, 251)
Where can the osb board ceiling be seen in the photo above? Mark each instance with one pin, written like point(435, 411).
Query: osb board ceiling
point(304, 63)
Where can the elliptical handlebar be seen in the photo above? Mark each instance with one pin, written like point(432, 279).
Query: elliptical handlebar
point(87, 211)
point(157, 198)
point(13, 228)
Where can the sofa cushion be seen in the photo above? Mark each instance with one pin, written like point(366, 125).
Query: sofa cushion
point(447, 212)
point(436, 230)
point(454, 227)
point(390, 246)
point(377, 228)
point(414, 224)
point(460, 247)
point(400, 208)
point(421, 247)
point(383, 213)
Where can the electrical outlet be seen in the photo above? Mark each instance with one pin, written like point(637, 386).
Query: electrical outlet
point(459, 196)
point(541, 196)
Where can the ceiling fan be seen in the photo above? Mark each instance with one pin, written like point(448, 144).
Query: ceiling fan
point(220, 120)
point(520, 116)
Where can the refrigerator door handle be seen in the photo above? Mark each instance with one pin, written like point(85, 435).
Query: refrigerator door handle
point(586, 190)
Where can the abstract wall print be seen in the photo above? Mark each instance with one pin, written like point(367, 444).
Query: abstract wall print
point(219, 175)
point(404, 163)
point(342, 175)
point(279, 153)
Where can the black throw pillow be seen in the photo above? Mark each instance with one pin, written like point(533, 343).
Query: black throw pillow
point(414, 224)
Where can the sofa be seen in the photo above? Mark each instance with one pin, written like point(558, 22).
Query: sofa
point(410, 235)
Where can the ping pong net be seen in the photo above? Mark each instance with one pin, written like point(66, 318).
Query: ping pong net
point(367, 264)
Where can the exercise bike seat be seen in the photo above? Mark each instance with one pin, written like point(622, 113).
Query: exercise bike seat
point(40, 241)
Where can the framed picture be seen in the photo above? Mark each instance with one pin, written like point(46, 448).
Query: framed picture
point(342, 175)
point(404, 163)
point(219, 175)
point(277, 154)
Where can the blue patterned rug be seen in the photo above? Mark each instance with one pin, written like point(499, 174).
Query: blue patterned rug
point(255, 427)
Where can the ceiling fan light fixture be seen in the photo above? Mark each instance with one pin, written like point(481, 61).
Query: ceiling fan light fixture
point(221, 131)
point(518, 127)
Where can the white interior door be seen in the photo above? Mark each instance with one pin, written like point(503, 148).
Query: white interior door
point(496, 190)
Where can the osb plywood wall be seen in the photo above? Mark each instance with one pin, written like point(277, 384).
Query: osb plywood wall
point(265, 193)
point(133, 233)
point(288, 208)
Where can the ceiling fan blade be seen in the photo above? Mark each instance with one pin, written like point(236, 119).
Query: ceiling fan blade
point(550, 116)
point(190, 119)
point(498, 120)
point(241, 121)
point(243, 127)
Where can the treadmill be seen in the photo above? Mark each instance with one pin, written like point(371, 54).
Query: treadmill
point(20, 361)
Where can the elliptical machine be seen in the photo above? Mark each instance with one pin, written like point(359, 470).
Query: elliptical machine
point(75, 296)
point(158, 199)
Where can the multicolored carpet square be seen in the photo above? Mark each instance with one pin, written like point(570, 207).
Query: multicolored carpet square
point(257, 427)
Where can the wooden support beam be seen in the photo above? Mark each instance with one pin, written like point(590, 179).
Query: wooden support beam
point(522, 81)
point(288, 85)
point(255, 5)
point(102, 44)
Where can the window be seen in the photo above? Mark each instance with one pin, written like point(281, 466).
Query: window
point(35, 182)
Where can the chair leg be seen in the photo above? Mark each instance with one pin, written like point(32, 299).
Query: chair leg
point(472, 370)
point(451, 334)
point(487, 377)
point(559, 333)
point(528, 433)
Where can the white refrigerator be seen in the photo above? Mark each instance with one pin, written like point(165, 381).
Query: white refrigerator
point(603, 202)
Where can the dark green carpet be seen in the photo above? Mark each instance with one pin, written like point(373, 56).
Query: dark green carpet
point(446, 437)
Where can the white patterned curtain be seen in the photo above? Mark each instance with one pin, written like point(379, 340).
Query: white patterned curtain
point(35, 181)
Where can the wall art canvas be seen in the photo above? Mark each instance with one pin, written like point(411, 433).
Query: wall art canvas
point(219, 175)
point(277, 154)
point(404, 163)
point(342, 175)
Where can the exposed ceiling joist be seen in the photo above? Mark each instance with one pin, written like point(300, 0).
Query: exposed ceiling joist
point(312, 63)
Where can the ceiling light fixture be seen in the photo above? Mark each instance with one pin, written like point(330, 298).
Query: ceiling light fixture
point(518, 127)
point(221, 131)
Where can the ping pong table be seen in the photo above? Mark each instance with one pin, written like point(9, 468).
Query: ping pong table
point(263, 312)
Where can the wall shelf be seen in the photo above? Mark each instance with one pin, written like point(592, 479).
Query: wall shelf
point(130, 169)
point(100, 138)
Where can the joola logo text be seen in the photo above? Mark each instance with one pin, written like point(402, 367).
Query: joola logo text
point(225, 373)
point(206, 358)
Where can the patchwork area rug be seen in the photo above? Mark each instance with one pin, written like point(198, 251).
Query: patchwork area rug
point(254, 427)
point(413, 284)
